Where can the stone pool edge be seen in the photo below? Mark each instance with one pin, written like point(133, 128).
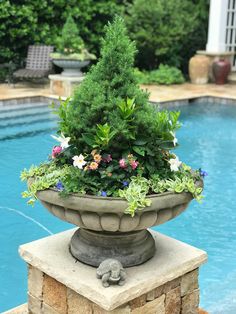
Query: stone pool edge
point(212, 99)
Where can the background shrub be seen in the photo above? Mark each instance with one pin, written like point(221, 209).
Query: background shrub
point(167, 31)
point(165, 75)
point(24, 22)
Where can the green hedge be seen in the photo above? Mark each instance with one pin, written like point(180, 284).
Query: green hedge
point(164, 75)
point(23, 22)
point(167, 32)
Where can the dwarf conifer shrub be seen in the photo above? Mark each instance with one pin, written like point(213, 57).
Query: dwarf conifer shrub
point(109, 91)
point(70, 45)
point(70, 41)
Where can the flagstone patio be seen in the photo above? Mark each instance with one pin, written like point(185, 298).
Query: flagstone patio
point(158, 93)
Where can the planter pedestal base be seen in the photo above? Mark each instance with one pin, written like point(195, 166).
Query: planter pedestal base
point(63, 85)
point(167, 283)
point(131, 248)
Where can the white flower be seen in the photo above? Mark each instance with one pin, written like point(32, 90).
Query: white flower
point(79, 161)
point(64, 141)
point(174, 164)
point(175, 140)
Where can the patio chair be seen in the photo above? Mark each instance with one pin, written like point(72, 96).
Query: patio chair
point(38, 63)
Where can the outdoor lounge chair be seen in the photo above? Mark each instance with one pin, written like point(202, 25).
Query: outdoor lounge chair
point(38, 63)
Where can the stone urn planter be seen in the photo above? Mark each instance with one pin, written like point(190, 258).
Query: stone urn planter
point(71, 68)
point(106, 231)
point(199, 69)
point(221, 69)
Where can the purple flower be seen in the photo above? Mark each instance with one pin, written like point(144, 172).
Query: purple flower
point(203, 173)
point(125, 183)
point(107, 158)
point(103, 193)
point(59, 186)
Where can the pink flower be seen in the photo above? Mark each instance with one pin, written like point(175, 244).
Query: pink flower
point(56, 151)
point(134, 164)
point(122, 163)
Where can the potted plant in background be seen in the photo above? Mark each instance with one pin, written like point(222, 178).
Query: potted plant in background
point(221, 69)
point(114, 174)
point(72, 55)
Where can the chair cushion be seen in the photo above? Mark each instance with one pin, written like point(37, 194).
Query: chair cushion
point(27, 73)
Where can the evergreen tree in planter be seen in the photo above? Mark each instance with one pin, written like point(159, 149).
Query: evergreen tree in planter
point(72, 54)
point(115, 150)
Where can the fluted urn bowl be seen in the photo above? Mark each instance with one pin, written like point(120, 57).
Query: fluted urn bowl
point(105, 231)
point(71, 68)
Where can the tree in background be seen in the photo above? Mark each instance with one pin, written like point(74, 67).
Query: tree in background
point(167, 32)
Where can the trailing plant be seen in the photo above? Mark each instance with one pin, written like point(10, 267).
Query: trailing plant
point(164, 75)
point(112, 142)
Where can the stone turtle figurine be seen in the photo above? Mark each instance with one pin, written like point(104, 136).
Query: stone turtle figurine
point(111, 271)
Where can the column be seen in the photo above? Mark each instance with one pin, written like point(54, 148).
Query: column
point(217, 26)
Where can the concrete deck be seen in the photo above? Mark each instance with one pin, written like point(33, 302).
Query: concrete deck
point(158, 93)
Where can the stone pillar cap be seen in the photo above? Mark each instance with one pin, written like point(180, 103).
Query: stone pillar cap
point(172, 260)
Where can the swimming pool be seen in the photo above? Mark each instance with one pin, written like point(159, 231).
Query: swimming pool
point(208, 140)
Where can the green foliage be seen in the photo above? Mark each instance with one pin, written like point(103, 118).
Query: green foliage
point(110, 96)
point(139, 187)
point(167, 31)
point(70, 41)
point(40, 178)
point(70, 45)
point(76, 181)
point(82, 56)
point(102, 138)
point(182, 181)
point(136, 194)
point(165, 75)
point(40, 21)
point(100, 96)
point(3, 74)
point(127, 109)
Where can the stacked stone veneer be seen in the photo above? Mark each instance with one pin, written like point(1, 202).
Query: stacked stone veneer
point(63, 85)
point(48, 296)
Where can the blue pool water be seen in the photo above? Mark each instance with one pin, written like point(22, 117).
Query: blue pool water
point(208, 140)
